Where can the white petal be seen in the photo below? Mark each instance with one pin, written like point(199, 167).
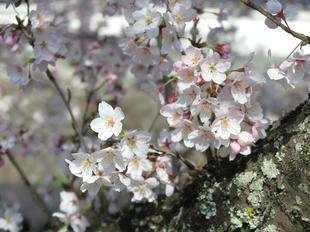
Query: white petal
point(275, 74)
point(98, 125)
point(105, 110)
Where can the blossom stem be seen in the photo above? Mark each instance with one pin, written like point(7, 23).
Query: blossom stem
point(299, 44)
point(304, 38)
point(153, 122)
point(28, 184)
point(68, 106)
point(190, 165)
point(89, 96)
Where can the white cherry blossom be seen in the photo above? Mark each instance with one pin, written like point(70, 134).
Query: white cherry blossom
point(111, 159)
point(69, 203)
point(203, 107)
point(192, 57)
point(241, 88)
point(274, 6)
point(137, 165)
point(135, 143)
point(182, 13)
point(146, 20)
point(173, 113)
point(143, 189)
point(203, 138)
point(11, 220)
point(109, 123)
point(226, 126)
point(18, 75)
point(214, 68)
point(188, 96)
point(83, 164)
point(181, 132)
point(70, 207)
point(41, 17)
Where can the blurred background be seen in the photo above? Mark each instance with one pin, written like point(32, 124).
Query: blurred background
point(29, 106)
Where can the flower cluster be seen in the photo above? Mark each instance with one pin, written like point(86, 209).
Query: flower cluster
point(294, 69)
point(215, 106)
point(154, 33)
point(70, 207)
point(49, 44)
point(280, 12)
point(12, 39)
point(47, 40)
point(103, 60)
point(125, 164)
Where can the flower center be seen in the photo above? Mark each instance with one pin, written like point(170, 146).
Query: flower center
point(195, 59)
point(179, 18)
point(131, 142)
point(44, 45)
point(212, 68)
point(225, 122)
point(110, 122)
point(86, 164)
point(110, 156)
point(148, 20)
point(40, 17)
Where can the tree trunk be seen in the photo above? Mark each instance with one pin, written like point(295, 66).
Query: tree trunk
point(267, 191)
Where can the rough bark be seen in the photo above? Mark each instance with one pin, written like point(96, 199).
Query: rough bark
point(267, 191)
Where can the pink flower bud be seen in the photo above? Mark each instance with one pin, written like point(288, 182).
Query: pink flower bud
point(177, 66)
point(200, 80)
point(196, 20)
point(171, 99)
point(112, 78)
point(254, 132)
point(245, 139)
point(187, 115)
point(223, 49)
point(235, 147)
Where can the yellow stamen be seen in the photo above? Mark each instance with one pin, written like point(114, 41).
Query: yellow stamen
point(179, 18)
point(44, 45)
point(212, 68)
point(148, 20)
point(110, 122)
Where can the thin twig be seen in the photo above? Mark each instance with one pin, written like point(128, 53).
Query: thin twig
point(28, 184)
point(68, 106)
point(89, 96)
point(153, 122)
point(304, 38)
point(288, 56)
point(189, 164)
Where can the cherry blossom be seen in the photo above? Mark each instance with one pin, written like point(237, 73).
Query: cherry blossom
point(242, 144)
point(211, 103)
point(146, 20)
point(214, 68)
point(109, 123)
point(137, 165)
point(203, 138)
point(83, 165)
point(135, 143)
point(192, 57)
point(274, 6)
point(70, 207)
point(11, 220)
point(143, 189)
point(18, 75)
